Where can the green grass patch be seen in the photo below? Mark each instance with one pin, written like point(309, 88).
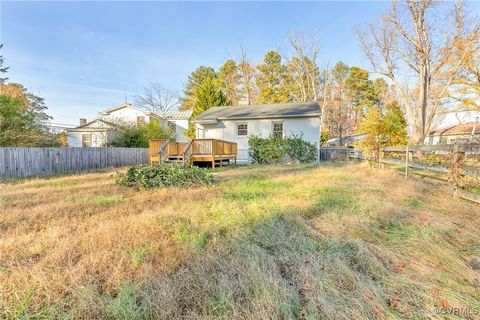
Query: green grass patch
point(138, 255)
point(185, 233)
point(59, 184)
point(244, 195)
point(413, 202)
point(109, 200)
point(331, 199)
point(100, 200)
point(125, 305)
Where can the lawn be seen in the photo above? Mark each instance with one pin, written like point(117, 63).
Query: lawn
point(265, 242)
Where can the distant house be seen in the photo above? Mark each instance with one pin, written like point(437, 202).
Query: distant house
point(463, 132)
point(237, 123)
point(99, 132)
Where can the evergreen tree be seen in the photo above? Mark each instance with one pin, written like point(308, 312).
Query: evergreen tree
point(195, 79)
point(228, 80)
point(271, 79)
point(361, 92)
point(207, 95)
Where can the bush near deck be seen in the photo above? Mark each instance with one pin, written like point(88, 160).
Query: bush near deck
point(165, 175)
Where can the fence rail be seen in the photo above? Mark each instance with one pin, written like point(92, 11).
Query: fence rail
point(455, 164)
point(27, 162)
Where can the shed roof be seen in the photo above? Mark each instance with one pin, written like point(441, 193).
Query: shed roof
point(175, 114)
point(347, 139)
point(461, 128)
point(260, 111)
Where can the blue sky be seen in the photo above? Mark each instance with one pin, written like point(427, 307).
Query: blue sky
point(81, 56)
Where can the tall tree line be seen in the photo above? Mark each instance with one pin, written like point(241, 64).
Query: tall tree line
point(426, 69)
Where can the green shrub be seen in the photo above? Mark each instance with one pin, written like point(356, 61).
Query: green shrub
point(132, 135)
point(165, 175)
point(300, 150)
point(275, 149)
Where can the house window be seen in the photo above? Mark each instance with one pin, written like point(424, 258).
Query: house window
point(242, 129)
point(87, 140)
point(140, 120)
point(277, 129)
point(172, 125)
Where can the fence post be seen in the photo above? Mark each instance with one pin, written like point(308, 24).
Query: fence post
point(458, 158)
point(380, 159)
point(407, 156)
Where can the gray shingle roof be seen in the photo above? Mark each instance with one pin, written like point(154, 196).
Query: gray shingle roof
point(260, 111)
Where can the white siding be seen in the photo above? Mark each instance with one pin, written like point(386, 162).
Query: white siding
point(181, 127)
point(99, 139)
point(227, 130)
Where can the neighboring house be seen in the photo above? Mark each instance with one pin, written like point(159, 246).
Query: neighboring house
point(99, 132)
point(463, 132)
point(347, 141)
point(237, 123)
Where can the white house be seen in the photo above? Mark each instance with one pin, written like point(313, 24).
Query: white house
point(462, 132)
point(99, 132)
point(237, 123)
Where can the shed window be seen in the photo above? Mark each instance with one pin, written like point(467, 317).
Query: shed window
point(87, 140)
point(140, 119)
point(277, 129)
point(172, 125)
point(242, 129)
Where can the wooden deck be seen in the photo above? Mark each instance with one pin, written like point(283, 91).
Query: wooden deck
point(192, 152)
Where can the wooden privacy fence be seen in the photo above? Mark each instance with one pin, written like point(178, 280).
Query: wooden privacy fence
point(333, 153)
point(27, 162)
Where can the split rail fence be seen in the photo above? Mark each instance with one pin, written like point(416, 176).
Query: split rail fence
point(458, 165)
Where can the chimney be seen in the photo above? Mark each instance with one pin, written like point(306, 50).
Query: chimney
point(83, 121)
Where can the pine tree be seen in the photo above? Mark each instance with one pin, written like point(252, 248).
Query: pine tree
point(195, 79)
point(271, 79)
point(207, 95)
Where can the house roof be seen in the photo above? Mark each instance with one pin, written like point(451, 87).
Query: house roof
point(173, 114)
point(260, 111)
point(120, 106)
point(458, 129)
point(86, 126)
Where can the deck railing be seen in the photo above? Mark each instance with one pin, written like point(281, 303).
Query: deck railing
point(214, 148)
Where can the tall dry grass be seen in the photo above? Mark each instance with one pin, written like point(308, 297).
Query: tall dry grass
point(273, 242)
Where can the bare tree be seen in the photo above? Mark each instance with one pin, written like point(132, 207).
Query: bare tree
point(158, 99)
point(302, 65)
point(411, 46)
point(247, 74)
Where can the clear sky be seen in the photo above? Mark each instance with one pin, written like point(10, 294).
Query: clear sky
point(81, 56)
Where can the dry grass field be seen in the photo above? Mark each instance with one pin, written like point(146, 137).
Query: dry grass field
point(266, 242)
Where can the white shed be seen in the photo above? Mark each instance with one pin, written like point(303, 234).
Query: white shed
point(237, 123)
